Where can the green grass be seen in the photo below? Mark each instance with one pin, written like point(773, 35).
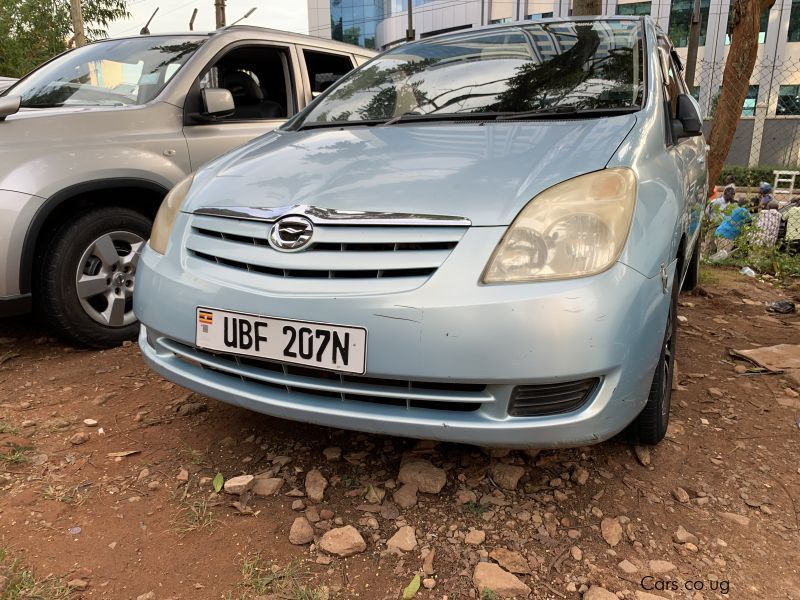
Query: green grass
point(68, 495)
point(475, 509)
point(260, 577)
point(352, 478)
point(17, 455)
point(7, 428)
point(709, 275)
point(22, 584)
point(193, 516)
point(488, 595)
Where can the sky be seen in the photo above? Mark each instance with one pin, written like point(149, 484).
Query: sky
point(174, 15)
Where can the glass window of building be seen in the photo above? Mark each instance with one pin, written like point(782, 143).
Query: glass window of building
point(501, 12)
point(794, 22)
point(788, 100)
point(762, 28)
point(355, 21)
point(539, 16)
point(680, 19)
point(749, 106)
point(634, 8)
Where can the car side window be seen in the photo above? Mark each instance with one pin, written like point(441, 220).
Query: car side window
point(259, 79)
point(325, 69)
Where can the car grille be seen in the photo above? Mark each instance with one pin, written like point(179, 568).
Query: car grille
point(550, 398)
point(447, 396)
point(338, 251)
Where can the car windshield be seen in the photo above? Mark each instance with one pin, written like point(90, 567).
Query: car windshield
point(109, 73)
point(561, 66)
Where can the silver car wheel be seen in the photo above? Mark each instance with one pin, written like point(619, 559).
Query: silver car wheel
point(105, 277)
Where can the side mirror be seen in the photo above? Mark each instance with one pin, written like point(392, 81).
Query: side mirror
point(9, 105)
point(217, 103)
point(688, 122)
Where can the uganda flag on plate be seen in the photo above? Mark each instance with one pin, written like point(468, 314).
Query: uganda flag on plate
point(205, 318)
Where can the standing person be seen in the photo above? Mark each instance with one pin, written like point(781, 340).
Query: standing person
point(731, 227)
point(768, 225)
point(765, 193)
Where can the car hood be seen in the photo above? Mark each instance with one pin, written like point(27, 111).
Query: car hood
point(485, 172)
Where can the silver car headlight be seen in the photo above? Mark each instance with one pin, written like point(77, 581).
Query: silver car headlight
point(167, 213)
point(573, 229)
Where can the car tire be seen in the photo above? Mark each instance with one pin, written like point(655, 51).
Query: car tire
point(86, 276)
point(650, 426)
point(693, 272)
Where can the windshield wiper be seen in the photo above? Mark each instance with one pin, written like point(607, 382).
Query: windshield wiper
point(413, 117)
point(407, 117)
point(559, 112)
point(323, 124)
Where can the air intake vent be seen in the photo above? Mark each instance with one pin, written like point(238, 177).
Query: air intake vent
point(550, 398)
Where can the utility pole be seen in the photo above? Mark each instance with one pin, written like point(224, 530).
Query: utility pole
point(77, 22)
point(694, 42)
point(219, 11)
point(410, 33)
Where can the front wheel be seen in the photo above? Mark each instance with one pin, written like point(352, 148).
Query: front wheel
point(650, 426)
point(87, 276)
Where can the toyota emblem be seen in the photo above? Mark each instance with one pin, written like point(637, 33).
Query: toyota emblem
point(290, 234)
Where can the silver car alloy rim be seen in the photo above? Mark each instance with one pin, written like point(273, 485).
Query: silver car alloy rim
point(105, 278)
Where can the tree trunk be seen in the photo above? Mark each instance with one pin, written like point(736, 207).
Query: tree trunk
point(745, 18)
point(582, 8)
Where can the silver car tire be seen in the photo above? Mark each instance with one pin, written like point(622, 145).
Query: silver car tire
point(87, 276)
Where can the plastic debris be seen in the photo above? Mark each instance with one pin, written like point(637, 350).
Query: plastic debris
point(783, 307)
point(719, 256)
point(747, 271)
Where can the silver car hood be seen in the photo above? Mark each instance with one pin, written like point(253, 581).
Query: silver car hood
point(483, 172)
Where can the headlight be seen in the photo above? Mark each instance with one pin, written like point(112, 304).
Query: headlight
point(573, 229)
point(167, 213)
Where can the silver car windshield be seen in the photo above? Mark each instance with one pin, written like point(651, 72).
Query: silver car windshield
point(109, 73)
point(555, 67)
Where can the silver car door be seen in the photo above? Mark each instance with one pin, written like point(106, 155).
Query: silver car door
point(263, 80)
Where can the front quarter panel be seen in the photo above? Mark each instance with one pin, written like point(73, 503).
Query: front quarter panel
point(661, 216)
point(45, 154)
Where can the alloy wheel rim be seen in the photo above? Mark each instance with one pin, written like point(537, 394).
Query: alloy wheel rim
point(105, 278)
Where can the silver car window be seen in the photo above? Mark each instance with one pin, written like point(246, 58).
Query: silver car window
point(109, 73)
point(582, 65)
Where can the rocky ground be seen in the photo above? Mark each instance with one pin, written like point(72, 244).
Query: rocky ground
point(107, 476)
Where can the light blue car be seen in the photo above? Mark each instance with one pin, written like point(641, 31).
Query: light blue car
point(477, 237)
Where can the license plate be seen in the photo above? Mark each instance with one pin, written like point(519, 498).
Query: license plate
point(321, 345)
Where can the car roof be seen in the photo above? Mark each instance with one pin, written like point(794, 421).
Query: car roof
point(242, 31)
point(531, 22)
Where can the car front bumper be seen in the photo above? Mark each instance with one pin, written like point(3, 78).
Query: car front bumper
point(450, 330)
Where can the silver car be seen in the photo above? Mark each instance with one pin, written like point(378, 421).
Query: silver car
point(478, 237)
point(6, 82)
point(91, 142)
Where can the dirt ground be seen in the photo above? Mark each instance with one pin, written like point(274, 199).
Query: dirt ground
point(148, 525)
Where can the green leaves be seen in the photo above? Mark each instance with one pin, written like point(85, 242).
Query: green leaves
point(32, 31)
point(218, 482)
point(412, 588)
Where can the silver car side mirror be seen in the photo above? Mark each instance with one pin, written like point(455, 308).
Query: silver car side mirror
point(217, 102)
point(9, 105)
